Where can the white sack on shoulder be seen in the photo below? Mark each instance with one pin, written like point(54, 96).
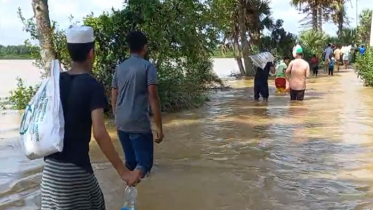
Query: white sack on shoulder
point(42, 126)
point(260, 60)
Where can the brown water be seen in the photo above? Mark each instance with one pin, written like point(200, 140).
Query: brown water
point(234, 154)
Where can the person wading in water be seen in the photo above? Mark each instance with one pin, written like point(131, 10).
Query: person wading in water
point(68, 181)
point(297, 72)
point(315, 65)
point(134, 88)
point(280, 80)
point(327, 55)
point(261, 81)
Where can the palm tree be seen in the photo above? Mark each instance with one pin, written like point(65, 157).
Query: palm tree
point(258, 18)
point(314, 10)
point(349, 36)
point(364, 28)
point(337, 13)
point(312, 41)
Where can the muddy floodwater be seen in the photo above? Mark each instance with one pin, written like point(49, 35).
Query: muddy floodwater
point(235, 154)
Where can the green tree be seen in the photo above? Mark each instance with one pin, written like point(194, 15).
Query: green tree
point(313, 42)
point(240, 24)
point(16, 52)
point(279, 42)
point(180, 43)
point(364, 28)
point(314, 10)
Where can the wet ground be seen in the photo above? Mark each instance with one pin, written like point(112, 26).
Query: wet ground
point(235, 154)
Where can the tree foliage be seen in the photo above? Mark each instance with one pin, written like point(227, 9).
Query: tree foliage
point(313, 42)
point(279, 42)
point(364, 67)
point(180, 43)
point(364, 28)
point(16, 52)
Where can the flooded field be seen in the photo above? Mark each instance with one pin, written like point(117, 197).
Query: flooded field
point(235, 154)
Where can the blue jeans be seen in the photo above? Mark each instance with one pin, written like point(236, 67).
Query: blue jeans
point(138, 149)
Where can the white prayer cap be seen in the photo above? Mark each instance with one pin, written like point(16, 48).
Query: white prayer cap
point(80, 35)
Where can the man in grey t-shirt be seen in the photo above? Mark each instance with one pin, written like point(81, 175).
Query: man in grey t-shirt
point(134, 88)
point(328, 53)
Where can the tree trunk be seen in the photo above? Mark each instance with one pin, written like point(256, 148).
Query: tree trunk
point(315, 19)
point(319, 18)
point(237, 54)
point(244, 43)
point(45, 33)
point(340, 25)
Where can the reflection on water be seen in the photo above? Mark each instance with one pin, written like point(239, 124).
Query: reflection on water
point(235, 154)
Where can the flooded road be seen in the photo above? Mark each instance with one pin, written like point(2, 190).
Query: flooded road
point(235, 154)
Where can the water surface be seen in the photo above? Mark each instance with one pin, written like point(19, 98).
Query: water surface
point(235, 154)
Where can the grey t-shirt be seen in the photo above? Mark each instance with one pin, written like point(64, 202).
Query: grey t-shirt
point(328, 52)
point(132, 78)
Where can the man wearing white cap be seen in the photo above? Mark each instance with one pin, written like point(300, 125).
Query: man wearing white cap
point(68, 181)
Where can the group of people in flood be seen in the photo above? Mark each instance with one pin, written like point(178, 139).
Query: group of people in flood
point(291, 74)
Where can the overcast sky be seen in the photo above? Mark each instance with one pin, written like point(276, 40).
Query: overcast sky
point(11, 29)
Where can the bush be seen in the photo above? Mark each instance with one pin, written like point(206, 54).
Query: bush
point(364, 66)
point(21, 96)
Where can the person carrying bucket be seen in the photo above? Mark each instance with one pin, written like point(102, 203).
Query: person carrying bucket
point(280, 80)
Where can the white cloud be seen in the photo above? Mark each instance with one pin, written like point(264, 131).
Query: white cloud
point(11, 27)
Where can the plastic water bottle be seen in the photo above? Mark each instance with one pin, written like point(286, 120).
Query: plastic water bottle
point(130, 195)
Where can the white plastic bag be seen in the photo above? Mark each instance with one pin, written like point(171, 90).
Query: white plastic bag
point(42, 125)
point(260, 60)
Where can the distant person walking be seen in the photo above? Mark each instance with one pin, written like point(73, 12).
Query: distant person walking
point(314, 65)
point(338, 56)
point(297, 72)
point(346, 57)
point(327, 55)
point(331, 66)
point(362, 50)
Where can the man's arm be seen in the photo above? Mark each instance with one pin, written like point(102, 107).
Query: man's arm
point(307, 70)
point(114, 98)
point(156, 110)
point(272, 69)
point(114, 92)
point(288, 70)
point(104, 141)
point(154, 101)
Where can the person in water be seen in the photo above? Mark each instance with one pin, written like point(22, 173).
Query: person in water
point(261, 81)
point(314, 65)
point(327, 55)
point(68, 181)
point(134, 88)
point(280, 80)
point(297, 73)
point(331, 66)
point(338, 56)
point(346, 57)
point(362, 50)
